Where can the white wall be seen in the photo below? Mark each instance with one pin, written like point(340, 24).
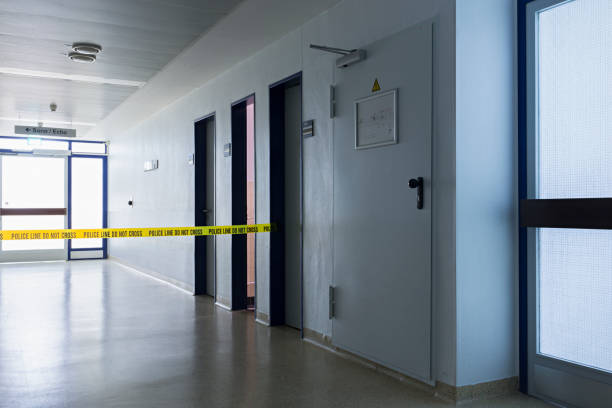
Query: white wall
point(486, 169)
point(165, 196)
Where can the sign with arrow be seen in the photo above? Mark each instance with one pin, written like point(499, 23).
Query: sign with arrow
point(44, 131)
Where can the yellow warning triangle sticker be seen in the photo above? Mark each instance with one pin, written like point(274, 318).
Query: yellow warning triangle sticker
point(376, 86)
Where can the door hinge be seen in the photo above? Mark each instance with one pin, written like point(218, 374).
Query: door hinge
point(332, 302)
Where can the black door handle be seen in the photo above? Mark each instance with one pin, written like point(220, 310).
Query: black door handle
point(418, 184)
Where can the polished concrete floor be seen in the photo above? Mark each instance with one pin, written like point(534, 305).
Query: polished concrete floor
point(93, 334)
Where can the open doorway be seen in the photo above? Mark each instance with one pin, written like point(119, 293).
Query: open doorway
point(204, 157)
point(286, 202)
point(243, 203)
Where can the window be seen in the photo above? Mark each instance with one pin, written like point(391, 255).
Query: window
point(89, 148)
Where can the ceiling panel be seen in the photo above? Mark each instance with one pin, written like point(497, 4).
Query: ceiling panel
point(134, 14)
point(139, 37)
point(114, 63)
point(253, 25)
point(84, 102)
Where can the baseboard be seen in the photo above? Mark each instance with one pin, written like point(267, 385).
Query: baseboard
point(262, 318)
point(223, 303)
point(450, 393)
point(155, 275)
point(318, 339)
point(467, 393)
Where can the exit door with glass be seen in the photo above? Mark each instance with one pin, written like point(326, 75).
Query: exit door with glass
point(566, 243)
point(34, 197)
point(52, 184)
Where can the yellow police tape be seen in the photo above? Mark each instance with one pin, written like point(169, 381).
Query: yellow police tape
point(8, 235)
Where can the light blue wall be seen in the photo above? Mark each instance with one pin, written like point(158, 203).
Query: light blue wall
point(486, 209)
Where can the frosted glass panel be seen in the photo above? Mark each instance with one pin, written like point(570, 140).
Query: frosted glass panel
point(575, 279)
point(575, 100)
point(53, 144)
point(36, 143)
point(87, 198)
point(15, 144)
point(30, 143)
point(82, 147)
point(574, 160)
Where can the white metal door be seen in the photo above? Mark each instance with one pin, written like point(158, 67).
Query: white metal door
point(382, 241)
point(569, 151)
point(34, 196)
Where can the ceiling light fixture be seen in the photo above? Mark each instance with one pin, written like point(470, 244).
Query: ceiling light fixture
point(82, 58)
point(86, 48)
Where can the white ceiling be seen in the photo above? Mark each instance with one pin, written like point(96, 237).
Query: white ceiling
point(139, 37)
point(250, 27)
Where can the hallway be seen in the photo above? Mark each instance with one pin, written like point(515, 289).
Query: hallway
point(95, 334)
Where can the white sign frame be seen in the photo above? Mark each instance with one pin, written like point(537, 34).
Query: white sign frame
point(391, 95)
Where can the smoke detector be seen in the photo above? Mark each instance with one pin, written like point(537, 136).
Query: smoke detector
point(82, 58)
point(86, 48)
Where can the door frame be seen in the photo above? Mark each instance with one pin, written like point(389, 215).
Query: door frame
point(239, 281)
point(277, 257)
point(522, 188)
point(210, 116)
point(542, 213)
point(104, 247)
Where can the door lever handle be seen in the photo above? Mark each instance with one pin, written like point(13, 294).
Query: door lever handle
point(418, 184)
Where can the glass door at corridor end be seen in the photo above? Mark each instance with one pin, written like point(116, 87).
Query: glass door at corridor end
point(566, 186)
point(87, 198)
point(34, 196)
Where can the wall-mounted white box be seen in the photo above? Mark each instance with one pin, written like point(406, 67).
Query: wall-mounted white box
point(150, 165)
